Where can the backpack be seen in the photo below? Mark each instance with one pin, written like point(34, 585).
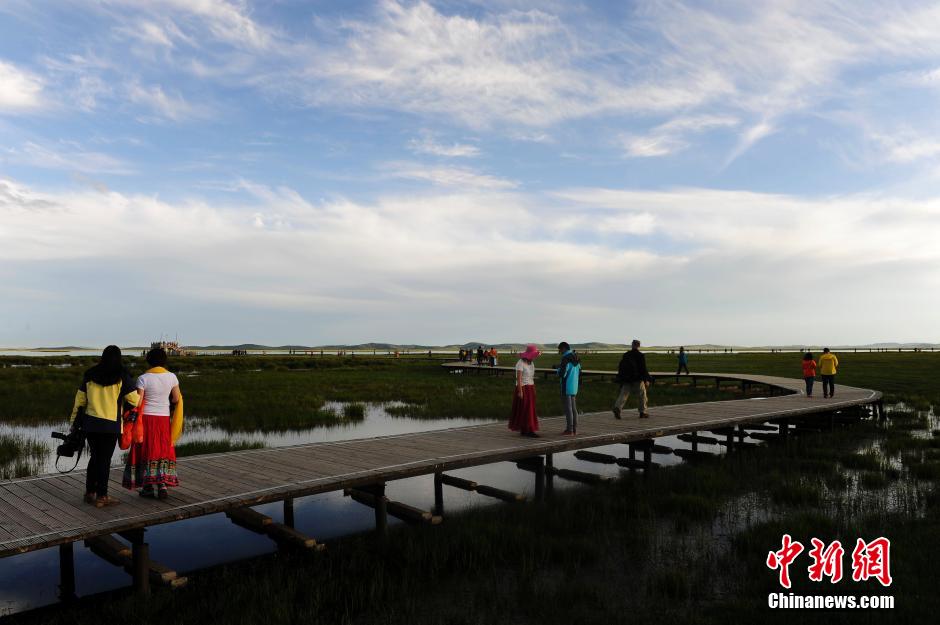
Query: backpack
point(627, 371)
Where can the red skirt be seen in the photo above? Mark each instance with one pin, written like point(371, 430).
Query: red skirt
point(152, 462)
point(523, 417)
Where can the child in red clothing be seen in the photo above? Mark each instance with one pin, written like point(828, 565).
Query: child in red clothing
point(809, 372)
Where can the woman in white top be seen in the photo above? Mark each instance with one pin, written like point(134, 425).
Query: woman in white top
point(524, 418)
point(151, 464)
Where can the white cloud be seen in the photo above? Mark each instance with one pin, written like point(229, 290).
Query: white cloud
point(517, 67)
point(671, 137)
point(463, 177)
point(171, 106)
point(228, 21)
point(65, 157)
point(20, 90)
point(908, 146)
point(426, 144)
point(402, 265)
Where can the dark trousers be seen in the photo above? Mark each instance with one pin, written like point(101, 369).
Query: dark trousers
point(682, 366)
point(829, 385)
point(101, 448)
point(809, 385)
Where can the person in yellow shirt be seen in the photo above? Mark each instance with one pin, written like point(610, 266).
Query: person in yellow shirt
point(106, 390)
point(828, 365)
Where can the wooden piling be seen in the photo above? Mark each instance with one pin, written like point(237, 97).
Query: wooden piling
point(140, 562)
point(66, 573)
point(283, 534)
point(289, 512)
point(498, 493)
point(695, 437)
point(458, 482)
point(593, 456)
point(438, 494)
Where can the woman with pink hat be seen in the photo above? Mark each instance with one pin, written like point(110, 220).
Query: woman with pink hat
point(524, 419)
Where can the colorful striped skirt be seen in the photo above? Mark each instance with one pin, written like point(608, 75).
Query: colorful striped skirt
point(152, 462)
point(523, 418)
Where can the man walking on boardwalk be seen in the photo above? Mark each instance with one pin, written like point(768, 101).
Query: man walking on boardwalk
point(828, 364)
point(634, 378)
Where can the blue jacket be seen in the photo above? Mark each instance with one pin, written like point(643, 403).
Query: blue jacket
point(569, 372)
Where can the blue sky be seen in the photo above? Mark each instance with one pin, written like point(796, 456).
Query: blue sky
point(434, 172)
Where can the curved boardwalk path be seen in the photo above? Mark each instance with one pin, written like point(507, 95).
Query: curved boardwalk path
point(47, 510)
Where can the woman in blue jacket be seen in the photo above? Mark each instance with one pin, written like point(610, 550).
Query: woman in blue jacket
point(569, 373)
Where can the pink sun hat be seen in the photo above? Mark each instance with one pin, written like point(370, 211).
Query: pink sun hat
point(531, 352)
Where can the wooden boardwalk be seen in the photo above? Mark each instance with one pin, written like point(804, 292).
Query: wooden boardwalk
point(47, 510)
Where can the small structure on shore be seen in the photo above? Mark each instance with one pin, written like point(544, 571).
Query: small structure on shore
point(172, 348)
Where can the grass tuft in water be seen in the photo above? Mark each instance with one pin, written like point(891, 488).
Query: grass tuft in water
point(194, 448)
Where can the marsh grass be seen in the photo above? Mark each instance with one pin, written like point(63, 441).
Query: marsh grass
point(20, 456)
point(273, 393)
point(194, 448)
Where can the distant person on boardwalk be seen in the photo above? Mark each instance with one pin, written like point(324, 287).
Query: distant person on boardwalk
point(683, 361)
point(524, 418)
point(480, 356)
point(151, 465)
point(569, 373)
point(809, 372)
point(106, 389)
point(494, 357)
point(828, 365)
point(634, 378)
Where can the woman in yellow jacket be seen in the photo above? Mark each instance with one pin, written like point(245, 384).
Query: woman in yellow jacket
point(99, 404)
point(828, 364)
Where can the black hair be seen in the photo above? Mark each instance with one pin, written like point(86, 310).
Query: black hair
point(635, 343)
point(156, 357)
point(826, 350)
point(808, 356)
point(563, 345)
point(110, 368)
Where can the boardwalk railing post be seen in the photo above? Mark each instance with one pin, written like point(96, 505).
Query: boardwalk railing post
point(438, 494)
point(289, 512)
point(66, 573)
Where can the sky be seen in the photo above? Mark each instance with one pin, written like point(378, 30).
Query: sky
point(311, 172)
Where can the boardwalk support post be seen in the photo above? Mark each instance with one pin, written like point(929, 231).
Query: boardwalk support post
point(539, 462)
point(549, 475)
point(289, 512)
point(784, 425)
point(66, 573)
point(140, 562)
point(381, 508)
point(438, 494)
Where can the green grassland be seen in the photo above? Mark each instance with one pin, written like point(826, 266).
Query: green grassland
point(269, 393)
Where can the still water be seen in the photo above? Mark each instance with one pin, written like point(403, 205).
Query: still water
point(30, 580)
